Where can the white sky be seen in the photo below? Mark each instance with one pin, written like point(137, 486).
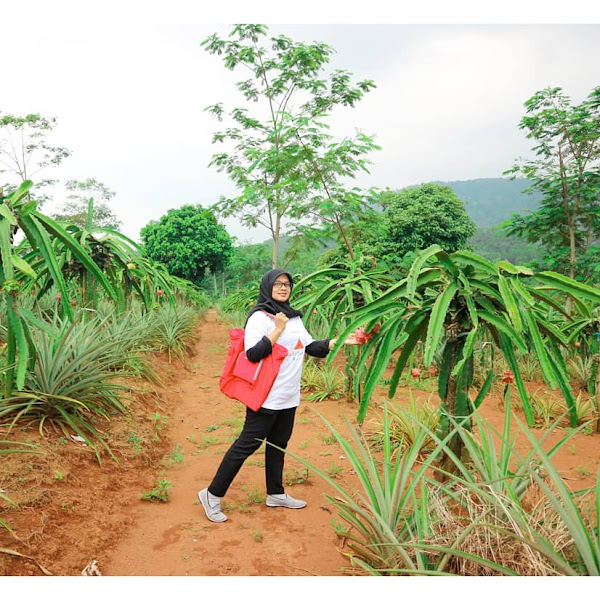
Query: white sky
point(129, 84)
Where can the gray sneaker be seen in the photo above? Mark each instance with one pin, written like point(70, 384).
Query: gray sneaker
point(213, 513)
point(286, 502)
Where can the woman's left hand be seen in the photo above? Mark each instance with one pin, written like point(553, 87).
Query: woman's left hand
point(351, 340)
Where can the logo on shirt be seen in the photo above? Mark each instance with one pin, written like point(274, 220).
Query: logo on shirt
point(299, 345)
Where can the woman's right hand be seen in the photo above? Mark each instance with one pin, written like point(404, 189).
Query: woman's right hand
point(280, 321)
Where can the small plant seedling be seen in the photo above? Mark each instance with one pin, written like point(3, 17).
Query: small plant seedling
point(256, 495)
point(328, 440)
point(159, 421)
point(304, 444)
point(339, 527)
point(160, 492)
point(582, 471)
point(58, 475)
point(177, 455)
point(208, 441)
point(296, 477)
point(334, 470)
point(135, 440)
point(257, 536)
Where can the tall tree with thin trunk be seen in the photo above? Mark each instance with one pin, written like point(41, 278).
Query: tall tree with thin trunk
point(26, 151)
point(76, 209)
point(281, 158)
point(566, 170)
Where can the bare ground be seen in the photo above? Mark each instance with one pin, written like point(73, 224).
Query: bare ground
point(73, 510)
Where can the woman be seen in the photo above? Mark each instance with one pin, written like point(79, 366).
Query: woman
point(271, 321)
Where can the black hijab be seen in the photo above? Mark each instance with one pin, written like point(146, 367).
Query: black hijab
point(267, 303)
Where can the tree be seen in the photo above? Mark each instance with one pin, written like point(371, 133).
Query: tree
point(416, 218)
point(451, 303)
point(282, 159)
point(76, 211)
point(39, 267)
point(246, 263)
point(566, 170)
point(25, 151)
point(188, 241)
point(494, 244)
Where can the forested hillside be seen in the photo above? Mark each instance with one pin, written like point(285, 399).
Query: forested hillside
point(493, 200)
point(489, 202)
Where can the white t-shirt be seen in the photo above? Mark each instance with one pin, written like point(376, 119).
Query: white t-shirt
point(285, 392)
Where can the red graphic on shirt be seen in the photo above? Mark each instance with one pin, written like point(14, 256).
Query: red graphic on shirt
point(299, 345)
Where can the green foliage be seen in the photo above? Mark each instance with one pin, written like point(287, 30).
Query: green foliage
point(172, 329)
point(400, 521)
point(42, 267)
point(328, 296)
point(286, 165)
point(245, 265)
point(159, 493)
point(71, 379)
point(566, 172)
point(25, 152)
point(188, 241)
point(81, 196)
point(322, 382)
point(496, 245)
point(416, 218)
point(378, 511)
point(451, 301)
point(406, 423)
point(237, 304)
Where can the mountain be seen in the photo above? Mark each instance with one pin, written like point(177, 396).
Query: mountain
point(491, 201)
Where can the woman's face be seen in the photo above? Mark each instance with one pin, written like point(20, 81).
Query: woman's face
point(281, 288)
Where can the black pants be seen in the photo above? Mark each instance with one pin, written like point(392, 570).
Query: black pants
point(273, 425)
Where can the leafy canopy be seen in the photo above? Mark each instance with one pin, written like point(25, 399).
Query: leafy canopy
point(76, 210)
point(281, 157)
point(25, 151)
point(188, 241)
point(416, 218)
point(566, 170)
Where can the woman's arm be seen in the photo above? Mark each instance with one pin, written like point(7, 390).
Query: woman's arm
point(264, 346)
point(321, 348)
point(318, 348)
point(260, 350)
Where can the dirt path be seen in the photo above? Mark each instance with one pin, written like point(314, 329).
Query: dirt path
point(175, 538)
point(72, 510)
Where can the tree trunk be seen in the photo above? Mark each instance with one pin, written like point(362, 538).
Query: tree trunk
point(454, 396)
point(276, 234)
point(597, 391)
point(344, 237)
point(570, 218)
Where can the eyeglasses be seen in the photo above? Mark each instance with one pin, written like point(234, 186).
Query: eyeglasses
point(282, 284)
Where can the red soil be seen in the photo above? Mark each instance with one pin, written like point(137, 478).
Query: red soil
point(74, 510)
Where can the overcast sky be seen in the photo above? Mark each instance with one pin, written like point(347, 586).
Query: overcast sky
point(130, 99)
